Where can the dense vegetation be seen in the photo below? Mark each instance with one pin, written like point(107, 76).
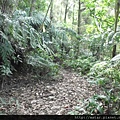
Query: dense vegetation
point(40, 36)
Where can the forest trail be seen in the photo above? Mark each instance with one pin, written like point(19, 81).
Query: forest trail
point(58, 96)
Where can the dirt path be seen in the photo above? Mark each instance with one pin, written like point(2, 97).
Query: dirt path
point(33, 97)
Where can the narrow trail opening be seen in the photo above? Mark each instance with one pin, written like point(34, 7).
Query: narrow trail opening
point(25, 95)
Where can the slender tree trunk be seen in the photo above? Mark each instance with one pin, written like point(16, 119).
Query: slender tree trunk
point(51, 17)
point(47, 11)
point(31, 7)
point(117, 9)
point(51, 11)
point(79, 16)
point(79, 23)
point(45, 15)
point(66, 10)
point(73, 17)
point(114, 50)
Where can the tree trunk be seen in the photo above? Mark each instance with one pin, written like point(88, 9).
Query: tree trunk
point(79, 16)
point(51, 18)
point(73, 17)
point(66, 10)
point(51, 11)
point(114, 50)
point(41, 27)
point(117, 7)
point(31, 7)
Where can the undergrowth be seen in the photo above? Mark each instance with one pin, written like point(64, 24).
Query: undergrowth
point(106, 76)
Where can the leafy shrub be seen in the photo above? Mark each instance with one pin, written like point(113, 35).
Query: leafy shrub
point(6, 53)
point(106, 70)
point(32, 35)
point(82, 64)
point(19, 32)
point(106, 75)
point(42, 66)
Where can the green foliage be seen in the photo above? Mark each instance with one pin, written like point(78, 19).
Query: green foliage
point(96, 45)
point(100, 11)
point(10, 102)
point(39, 5)
point(41, 42)
point(26, 34)
point(101, 44)
point(19, 32)
point(31, 34)
point(6, 6)
point(106, 70)
point(116, 58)
point(107, 75)
point(82, 64)
point(6, 50)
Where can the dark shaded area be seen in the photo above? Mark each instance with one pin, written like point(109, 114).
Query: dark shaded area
point(19, 56)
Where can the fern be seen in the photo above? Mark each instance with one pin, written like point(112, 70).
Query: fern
point(6, 49)
point(116, 58)
point(26, 33)
point(39, 18)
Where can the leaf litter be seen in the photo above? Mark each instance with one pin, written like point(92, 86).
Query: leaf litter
point(24, 95)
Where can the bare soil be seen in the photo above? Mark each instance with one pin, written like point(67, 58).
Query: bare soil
point(27, 95)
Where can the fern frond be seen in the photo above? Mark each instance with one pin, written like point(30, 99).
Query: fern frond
point(116, 58)
point(68, 30)
point(109, 37)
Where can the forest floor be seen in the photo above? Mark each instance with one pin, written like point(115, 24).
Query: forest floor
point(26, 95)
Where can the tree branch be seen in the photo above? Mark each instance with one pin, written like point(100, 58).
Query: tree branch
point(82, 9)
